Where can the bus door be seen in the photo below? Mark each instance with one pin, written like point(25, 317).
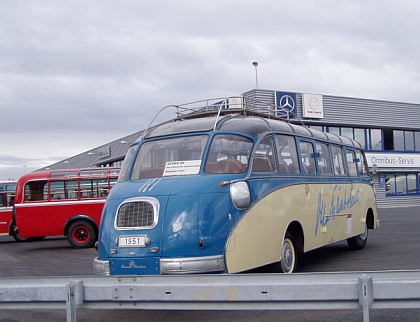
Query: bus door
point(29, 218)
point(5, 214)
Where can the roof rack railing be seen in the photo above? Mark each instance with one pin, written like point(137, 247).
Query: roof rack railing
point(229, 105)
point(202, 107)
point(210, 106)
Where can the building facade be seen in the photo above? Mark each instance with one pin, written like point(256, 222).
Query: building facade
point(388, 131)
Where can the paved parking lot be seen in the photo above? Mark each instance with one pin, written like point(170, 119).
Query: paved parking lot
point(395, 246)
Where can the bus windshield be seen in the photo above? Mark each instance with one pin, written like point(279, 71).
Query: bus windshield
point(168, 157)
point(229, 153)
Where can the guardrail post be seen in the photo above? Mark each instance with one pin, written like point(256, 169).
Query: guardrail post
point(365, 295)
point(74, 297)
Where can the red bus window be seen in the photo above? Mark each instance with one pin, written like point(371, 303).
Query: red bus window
point(63, 189)
point(36, 190)
point(94, 188)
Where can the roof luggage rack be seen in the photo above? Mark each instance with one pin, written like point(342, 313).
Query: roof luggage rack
point(223, 106)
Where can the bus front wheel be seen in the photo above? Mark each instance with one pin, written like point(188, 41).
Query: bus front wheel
point(81, 234)
point(14, 231)
point(288, 259)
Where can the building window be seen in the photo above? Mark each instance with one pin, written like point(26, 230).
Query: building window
point(409, 140)
point(359, 136)
point(417, 141)
point(334, 130)
point(380, 140)
point(348, 132)
point(402, 184)
point(316, 127)
point(398, 140)
point(375, 139)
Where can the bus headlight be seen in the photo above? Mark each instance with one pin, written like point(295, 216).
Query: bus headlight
point(240, 195)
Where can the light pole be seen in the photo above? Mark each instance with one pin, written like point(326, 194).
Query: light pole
point(256, 74)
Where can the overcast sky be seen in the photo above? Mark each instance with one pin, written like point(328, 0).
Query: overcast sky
point(78, 74)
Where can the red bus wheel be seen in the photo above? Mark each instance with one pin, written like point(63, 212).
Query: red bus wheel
point(81, 234)
point(15, 233)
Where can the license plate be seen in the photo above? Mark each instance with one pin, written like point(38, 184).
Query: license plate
point(132, 241)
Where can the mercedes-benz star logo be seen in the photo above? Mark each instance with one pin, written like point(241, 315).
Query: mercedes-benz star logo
point(287, 103)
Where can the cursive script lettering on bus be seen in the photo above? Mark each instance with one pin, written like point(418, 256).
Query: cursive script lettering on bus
point(340, 201)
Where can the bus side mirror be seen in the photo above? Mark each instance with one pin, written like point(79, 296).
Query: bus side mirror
point(374, 168)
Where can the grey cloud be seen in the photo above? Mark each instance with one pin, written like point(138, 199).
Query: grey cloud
point(77, 74)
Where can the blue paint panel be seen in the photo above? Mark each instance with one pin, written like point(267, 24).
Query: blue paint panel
point(135, 266)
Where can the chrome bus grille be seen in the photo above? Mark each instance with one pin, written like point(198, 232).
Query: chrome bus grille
point(136, 214)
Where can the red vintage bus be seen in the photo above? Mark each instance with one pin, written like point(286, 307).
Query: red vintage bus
point(62, 202)
point(7, 197)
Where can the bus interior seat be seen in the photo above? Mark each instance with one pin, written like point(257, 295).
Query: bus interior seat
point(151, 172)
point(284, 168)
point(225, 166)
point(261, 165)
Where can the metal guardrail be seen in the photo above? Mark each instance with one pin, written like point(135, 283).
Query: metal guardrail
point(357, 290)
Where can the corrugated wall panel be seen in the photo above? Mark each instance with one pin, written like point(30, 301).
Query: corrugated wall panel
point(355, 111)
point(383, 201)
point(259, 98)
point(370, 113)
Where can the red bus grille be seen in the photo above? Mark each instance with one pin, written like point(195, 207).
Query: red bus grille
point(135, 214)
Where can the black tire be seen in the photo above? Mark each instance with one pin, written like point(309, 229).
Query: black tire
point(81, 234)
point(289, 254)
point(36, 238)
point(14, 232)
point(358, 242)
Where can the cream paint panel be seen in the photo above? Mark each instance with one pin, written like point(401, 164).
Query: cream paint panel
point(257, 238)
point(335, 212)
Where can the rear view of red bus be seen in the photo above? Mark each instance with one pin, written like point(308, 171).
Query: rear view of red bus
point(62, 202)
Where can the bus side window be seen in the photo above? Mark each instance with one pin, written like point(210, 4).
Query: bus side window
point(11, 200)
point(351, 162)
point(324, 158)
point(361, 163)
point(93, 188)
point(263, 160)
point(338, 161)
point(63, 189)
point(307, 157)
point(287, 154)
point(36, 190)
point(229, 153)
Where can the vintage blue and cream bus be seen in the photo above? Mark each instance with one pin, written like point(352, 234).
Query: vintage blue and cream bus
point(226, 189)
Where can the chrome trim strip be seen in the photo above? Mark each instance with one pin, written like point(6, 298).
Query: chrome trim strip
point(154, 184)
point(192, 265)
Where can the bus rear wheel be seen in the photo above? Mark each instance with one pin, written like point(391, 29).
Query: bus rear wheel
point(288, 259)
point(81, 234)
point(358, 242)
